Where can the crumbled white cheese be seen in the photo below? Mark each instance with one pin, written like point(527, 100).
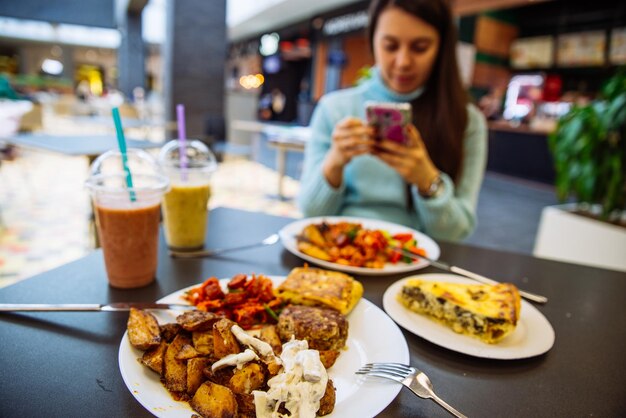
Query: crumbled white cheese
point(300, 385)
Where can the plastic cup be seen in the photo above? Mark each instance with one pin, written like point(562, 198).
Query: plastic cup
point(128, 230)
point(186, 204)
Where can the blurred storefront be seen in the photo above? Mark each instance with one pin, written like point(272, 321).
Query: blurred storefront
point(300, 62)
point(532, 63)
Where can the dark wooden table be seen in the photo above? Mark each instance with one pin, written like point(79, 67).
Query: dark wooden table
point(65, 364)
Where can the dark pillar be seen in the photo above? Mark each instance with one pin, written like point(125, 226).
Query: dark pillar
point(194, 56)
point(67, 57)
point(131, 54)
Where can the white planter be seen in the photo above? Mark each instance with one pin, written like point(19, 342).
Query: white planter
point(568, 237)
point(11, 112)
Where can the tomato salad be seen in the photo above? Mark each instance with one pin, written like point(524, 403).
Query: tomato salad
point(248, 300)
point(352, 245)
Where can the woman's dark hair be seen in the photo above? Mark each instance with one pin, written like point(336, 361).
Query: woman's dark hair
point(440, 113)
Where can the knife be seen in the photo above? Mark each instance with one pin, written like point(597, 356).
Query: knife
point(89, 307)
point(458, 270)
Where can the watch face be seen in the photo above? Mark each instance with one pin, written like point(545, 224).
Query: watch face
point(435, 188)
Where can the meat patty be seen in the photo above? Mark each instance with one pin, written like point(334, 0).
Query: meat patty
point(322, 328)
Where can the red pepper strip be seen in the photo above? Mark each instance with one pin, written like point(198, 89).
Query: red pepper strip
point(394, 257)
point(417, 250)
point(402, 237)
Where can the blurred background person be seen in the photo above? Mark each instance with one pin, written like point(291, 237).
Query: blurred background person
point(432, 182)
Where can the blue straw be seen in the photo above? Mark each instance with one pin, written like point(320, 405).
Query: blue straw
point(121, 141)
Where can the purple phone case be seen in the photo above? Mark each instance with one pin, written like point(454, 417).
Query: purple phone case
point(389, 119)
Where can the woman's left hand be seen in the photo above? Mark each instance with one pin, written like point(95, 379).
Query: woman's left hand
point(410, 160)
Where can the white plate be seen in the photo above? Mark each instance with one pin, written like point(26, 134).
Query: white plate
point(372, 337)
point(533, 335)
point(289, 232)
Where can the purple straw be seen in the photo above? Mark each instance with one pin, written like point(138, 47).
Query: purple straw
point(182, 140)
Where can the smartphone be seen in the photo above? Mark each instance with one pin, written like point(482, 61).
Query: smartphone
point(389, 120)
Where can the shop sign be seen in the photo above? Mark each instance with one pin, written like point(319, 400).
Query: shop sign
point(345, 23)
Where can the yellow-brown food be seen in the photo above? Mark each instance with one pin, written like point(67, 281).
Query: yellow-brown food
point(213, 400)
point(317, 287)
point(175, 371)
point(153, 358)
point(143, 329)
point(487, 312)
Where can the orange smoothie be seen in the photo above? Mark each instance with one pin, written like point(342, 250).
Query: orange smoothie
point(129, 238)
point(185, 215)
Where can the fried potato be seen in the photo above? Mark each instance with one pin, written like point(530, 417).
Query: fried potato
point(327, 403)
point(245, 405)
point(195, 376)
point(169, 331)
point(153, 358)
point(213, 400)
point(269, 334)
point(250, 377)
point(197, 320)
point(186, 352)
point(224, 342)
point(312, 234)
point(313, 251)
point(175, 371)
point(143, 329)
point(203, 342)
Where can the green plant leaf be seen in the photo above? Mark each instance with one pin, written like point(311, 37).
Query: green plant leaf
point(613, 110)
point(589, 149)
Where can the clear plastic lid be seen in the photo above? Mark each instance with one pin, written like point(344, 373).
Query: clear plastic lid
point(200, 159)
point(108, 174)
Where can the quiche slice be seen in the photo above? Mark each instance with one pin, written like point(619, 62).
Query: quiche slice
point(317, 287)
point(484, 311)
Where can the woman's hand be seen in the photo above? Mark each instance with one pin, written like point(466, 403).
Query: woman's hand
point(350, 138)
point(411, 161)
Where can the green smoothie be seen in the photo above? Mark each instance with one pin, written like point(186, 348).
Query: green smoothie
point(185, 209)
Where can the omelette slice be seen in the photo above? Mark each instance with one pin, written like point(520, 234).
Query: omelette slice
point(483, 311)
point(317, 287)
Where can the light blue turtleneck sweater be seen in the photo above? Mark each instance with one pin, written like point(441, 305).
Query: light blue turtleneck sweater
point(371, 189)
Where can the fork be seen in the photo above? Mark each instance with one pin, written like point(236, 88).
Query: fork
point(410, 377)
point(271, 240)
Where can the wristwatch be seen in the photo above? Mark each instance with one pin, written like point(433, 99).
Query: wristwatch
point(435, 188)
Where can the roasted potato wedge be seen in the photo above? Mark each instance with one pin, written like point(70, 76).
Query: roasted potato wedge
point(213, 400)
point(143, 329)
point(195, 376)
point(169, 331)
point(250, 377)
point(313, 251)
point(312, 234)
point(269, 334)
point(175, 371)
point(224, 342)
point(197, 320)
point(203, 342)
point(153, 358)
point(186, 352)
point(327, 403)
point(245, 405)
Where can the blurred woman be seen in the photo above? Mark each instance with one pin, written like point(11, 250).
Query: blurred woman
point(432, 182)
